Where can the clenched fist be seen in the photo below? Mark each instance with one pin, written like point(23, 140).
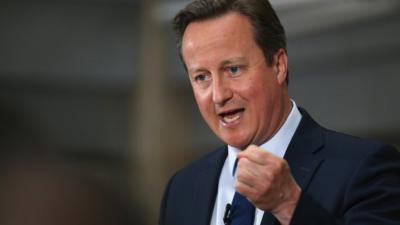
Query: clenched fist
point(266, 181)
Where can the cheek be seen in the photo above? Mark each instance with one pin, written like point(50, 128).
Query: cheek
point(249, 90)
point(204, 104)
point(258, 97)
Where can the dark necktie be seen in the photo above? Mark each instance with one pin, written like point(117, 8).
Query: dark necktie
point(242, 211)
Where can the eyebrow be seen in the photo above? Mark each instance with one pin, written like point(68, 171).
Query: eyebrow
point(195, 70)
point(222, 64)
point(233, 60)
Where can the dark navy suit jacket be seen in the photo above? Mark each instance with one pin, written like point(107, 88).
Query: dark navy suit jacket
point(344, 180)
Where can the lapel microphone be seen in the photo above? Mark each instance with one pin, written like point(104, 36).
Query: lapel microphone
point(227, 214)
point(228, 208)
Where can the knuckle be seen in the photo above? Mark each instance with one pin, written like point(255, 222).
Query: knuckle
point(243, 162)
point(254, 150)
point(284, 165)
point(238, 186)
point(252, 147)
point(279, 165)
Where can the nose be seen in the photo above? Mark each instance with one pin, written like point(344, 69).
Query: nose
point(221, 92)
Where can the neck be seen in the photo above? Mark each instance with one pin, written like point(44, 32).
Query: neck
point(283, 113)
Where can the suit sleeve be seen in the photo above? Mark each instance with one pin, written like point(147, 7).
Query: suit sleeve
point(372, 196)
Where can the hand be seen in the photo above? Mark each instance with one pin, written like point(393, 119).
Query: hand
point(266, 181)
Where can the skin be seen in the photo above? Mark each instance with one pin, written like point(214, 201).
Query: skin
point(245, 101)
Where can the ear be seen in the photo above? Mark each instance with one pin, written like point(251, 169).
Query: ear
point(281, 66)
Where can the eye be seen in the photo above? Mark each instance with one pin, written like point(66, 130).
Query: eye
point(201, 78)
point(234, 70)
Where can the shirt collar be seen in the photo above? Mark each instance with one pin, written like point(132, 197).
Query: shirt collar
point(278, 144)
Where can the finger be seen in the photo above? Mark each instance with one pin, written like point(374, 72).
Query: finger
point(244, 189)
point(252, 194)
point(257, 155)
point(250, 169)
point(245, 172)
point(251, 173)
point(253, 153)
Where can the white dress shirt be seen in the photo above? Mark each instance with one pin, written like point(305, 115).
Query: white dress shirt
point(276, 145)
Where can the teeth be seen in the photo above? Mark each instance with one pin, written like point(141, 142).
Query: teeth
point(231, 118)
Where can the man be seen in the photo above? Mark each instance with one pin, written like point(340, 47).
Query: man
point(277, 158)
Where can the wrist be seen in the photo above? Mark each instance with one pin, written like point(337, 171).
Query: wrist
point(285, 210)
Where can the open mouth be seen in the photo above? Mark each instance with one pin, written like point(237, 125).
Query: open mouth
point(230, 117)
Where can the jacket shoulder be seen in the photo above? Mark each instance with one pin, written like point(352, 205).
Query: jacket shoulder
point(345, 144)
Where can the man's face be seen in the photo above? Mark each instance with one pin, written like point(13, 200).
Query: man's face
point(240, 96)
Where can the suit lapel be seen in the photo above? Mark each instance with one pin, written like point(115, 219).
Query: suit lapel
point(302, 153)
point(302, 156)
point(206, 186)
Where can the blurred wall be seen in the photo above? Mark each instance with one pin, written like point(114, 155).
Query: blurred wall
point(100, 80)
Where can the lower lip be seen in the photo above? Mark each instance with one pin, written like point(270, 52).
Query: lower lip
point(234, 123)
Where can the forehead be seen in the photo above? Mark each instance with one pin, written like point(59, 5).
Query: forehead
point(231, 32)
point(230, 21)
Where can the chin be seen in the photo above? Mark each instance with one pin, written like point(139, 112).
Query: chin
point(236, 144)
point(232, 138)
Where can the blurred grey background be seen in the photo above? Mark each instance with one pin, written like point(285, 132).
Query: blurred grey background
point(99, 82)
